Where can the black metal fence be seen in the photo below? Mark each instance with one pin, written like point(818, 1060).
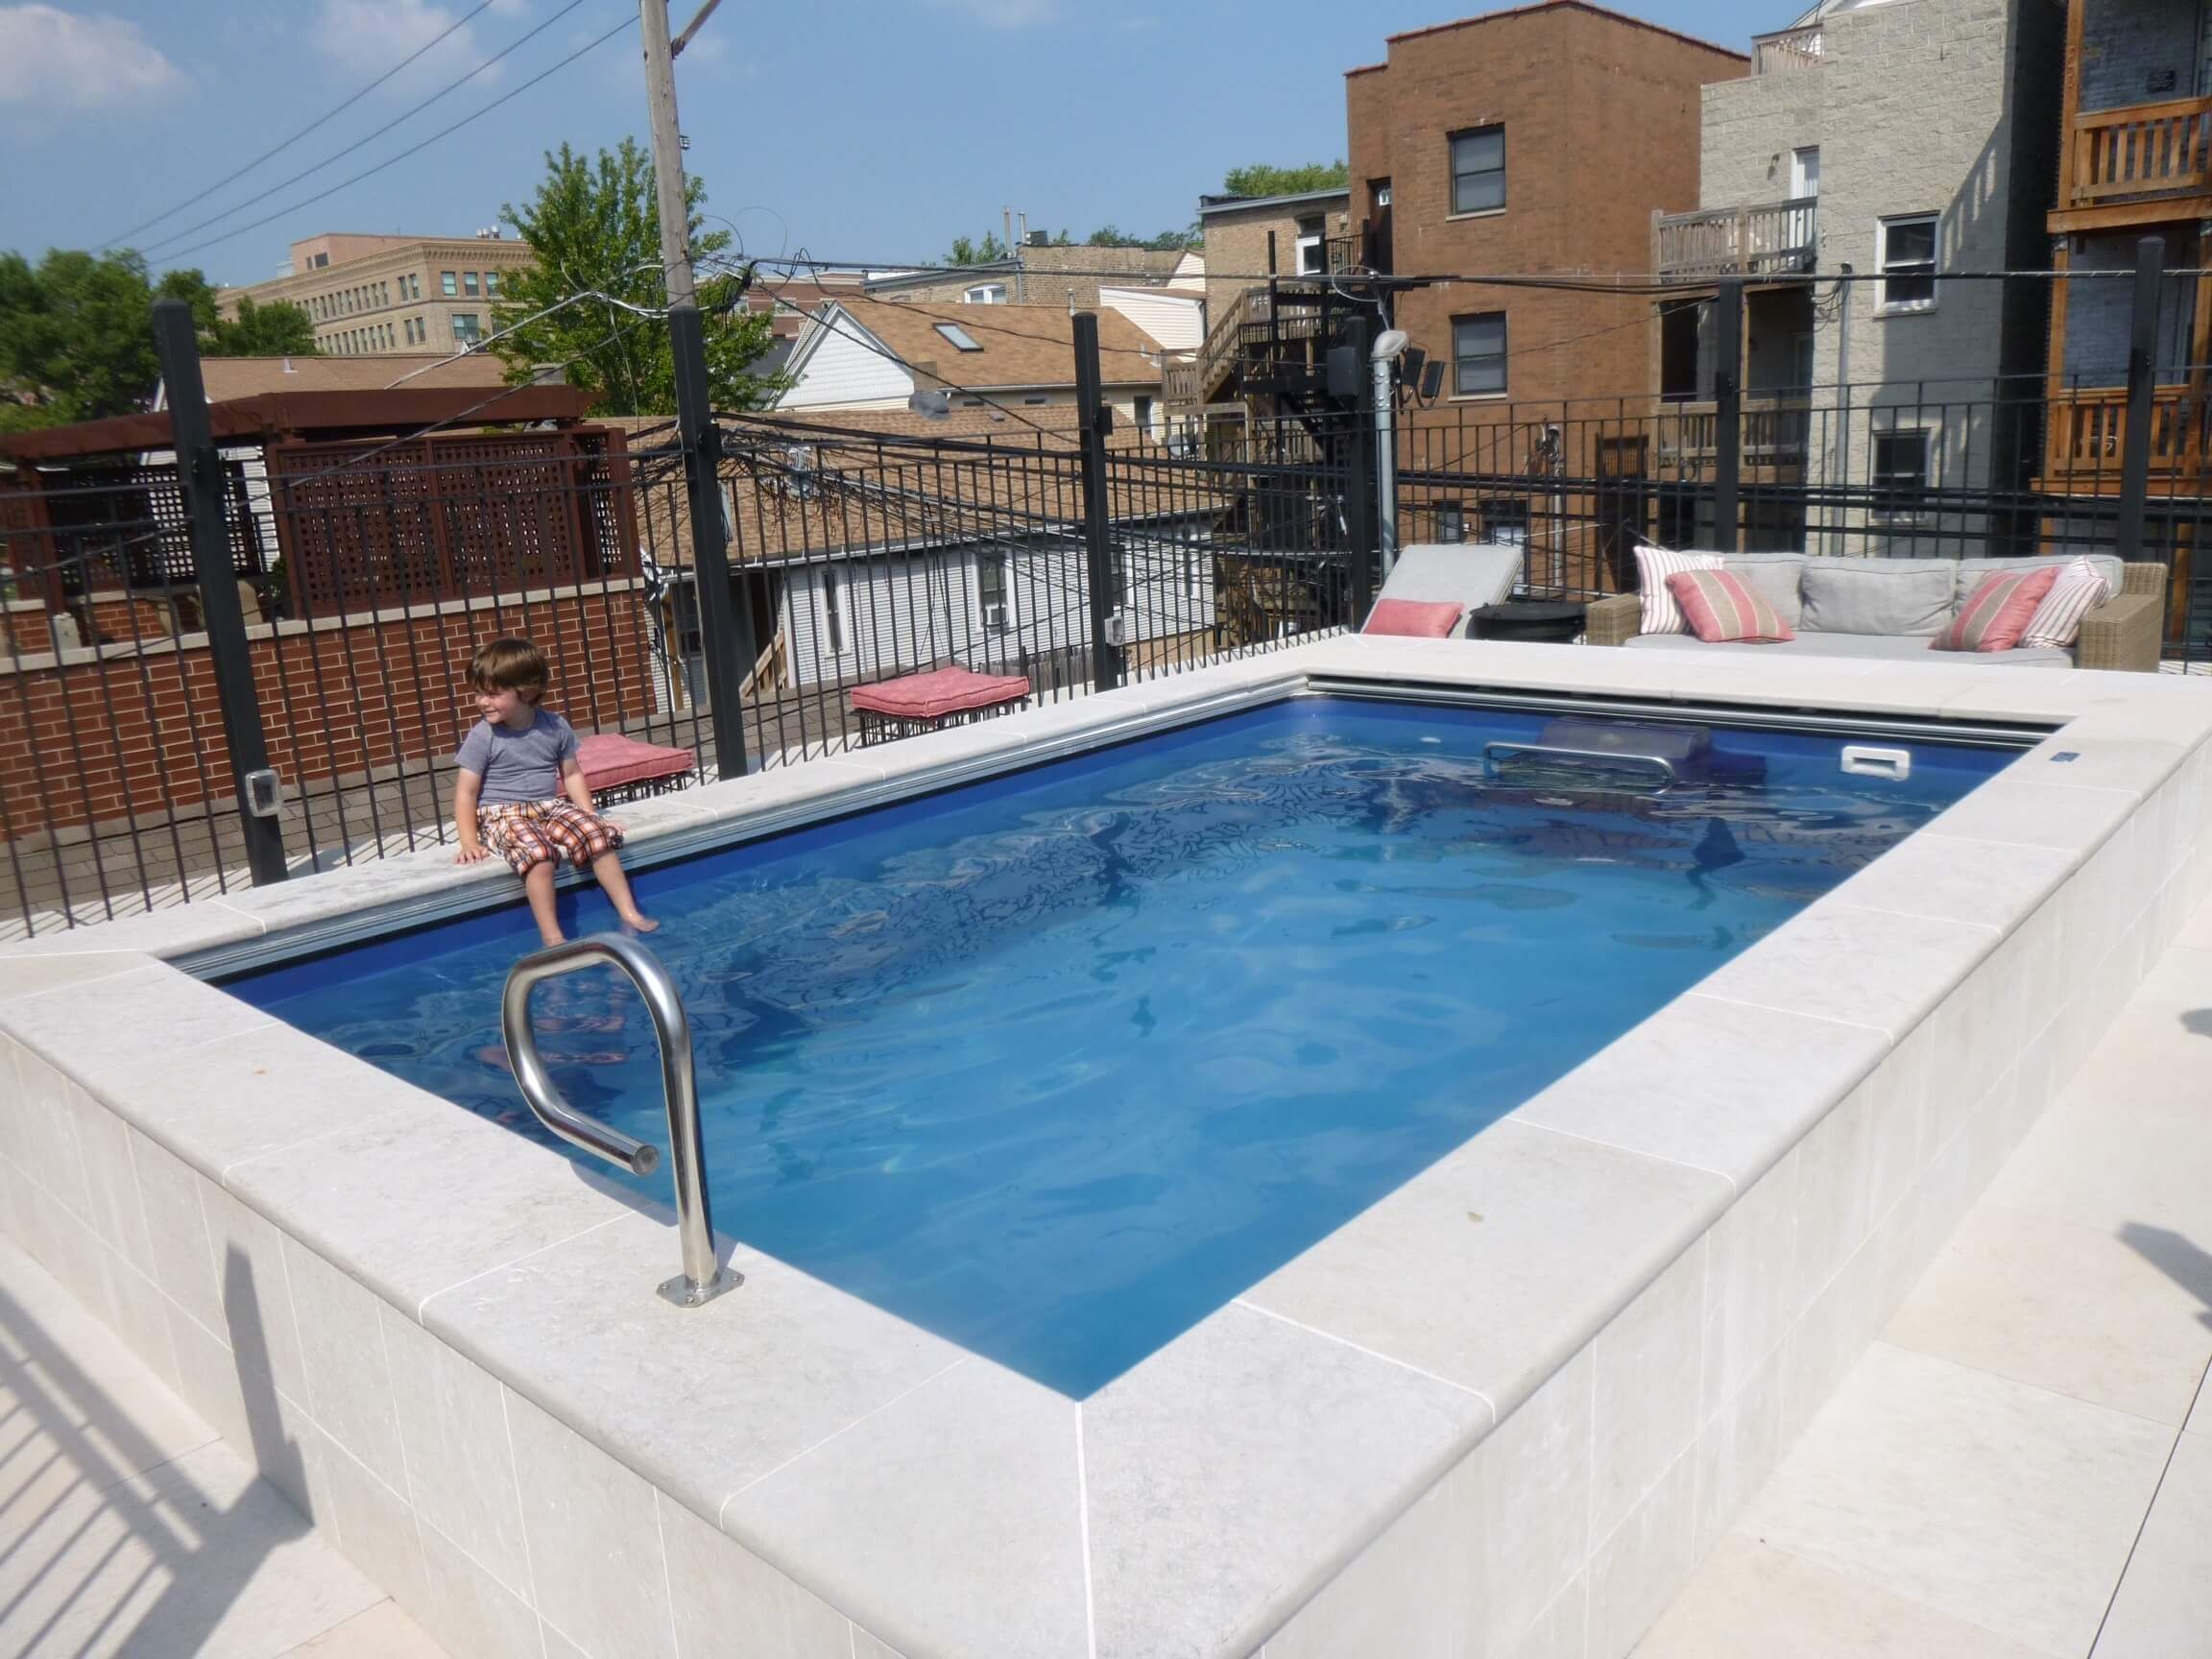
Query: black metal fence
point(309, 607)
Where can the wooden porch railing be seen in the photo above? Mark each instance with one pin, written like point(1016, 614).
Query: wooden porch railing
point(1780, 238)
point(2088, 433)
point(1787, 48)
point(2141, 150)
point(771, 670)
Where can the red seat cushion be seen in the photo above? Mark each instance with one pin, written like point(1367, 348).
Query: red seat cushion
point(611, 761)
point(940, 691)
point(1413, 619)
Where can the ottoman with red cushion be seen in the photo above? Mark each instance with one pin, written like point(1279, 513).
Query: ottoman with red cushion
point(917, 703)
point(619, 768)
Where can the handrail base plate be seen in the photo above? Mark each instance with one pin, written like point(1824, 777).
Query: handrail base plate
point(683, 1293)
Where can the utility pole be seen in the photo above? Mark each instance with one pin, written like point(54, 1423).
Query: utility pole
point(725, 637)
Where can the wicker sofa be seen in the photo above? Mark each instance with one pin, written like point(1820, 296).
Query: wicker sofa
point(2124, 633)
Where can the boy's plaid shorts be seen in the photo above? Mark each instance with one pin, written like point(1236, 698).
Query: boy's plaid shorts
point(527, 832)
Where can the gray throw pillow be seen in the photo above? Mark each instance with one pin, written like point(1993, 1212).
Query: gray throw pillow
point(1775, 577)
point(1897, 596)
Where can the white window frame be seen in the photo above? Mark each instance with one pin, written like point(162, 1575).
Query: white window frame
point(1802, 175)
point(985, 294)
point(1910, 268)
point(996, 614)
point(1308, 258)
point(1900, 517)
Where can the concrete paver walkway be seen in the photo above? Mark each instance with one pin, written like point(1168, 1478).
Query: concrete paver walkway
point(2021, 1468)
point(128, 1526)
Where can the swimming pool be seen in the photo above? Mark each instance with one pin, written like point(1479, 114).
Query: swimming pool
point(1056, 1064)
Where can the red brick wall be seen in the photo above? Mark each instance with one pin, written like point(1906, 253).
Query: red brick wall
point(148, 729)
point(1602, 118)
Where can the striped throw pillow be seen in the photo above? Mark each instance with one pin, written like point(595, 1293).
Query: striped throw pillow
point(1997, 612)
point(1653, 566)
point(1721, 607)
point(2080, 590)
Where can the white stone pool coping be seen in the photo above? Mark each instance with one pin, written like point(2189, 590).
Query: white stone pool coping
point(1503, 1411)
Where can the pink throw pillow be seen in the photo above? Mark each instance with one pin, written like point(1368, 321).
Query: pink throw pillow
point(1997, 612)
point(1721, 607)
point(1413, 619)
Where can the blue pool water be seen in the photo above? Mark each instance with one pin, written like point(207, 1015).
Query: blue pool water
point(1057, 1063)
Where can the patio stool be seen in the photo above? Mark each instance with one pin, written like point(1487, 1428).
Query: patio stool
point(916, 703)
point(619, 768)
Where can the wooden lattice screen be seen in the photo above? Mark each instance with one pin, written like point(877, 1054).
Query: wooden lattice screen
point(367, 525)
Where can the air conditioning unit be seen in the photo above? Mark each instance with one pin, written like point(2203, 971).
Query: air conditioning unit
point(995, 617)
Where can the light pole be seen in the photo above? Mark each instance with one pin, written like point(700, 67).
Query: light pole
point(1383, 361)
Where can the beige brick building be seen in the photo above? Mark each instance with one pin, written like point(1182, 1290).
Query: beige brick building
point(1250, 238)
point(1036, 276)
point(380, 296)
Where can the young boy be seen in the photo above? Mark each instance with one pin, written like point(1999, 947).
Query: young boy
point(515, 766)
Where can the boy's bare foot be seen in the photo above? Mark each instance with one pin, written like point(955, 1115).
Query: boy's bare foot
point(550, 939)
point(641, 922)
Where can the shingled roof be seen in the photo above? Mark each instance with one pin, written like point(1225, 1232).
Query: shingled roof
point(1020, 347)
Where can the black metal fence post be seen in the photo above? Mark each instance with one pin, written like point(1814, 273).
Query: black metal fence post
point(1727, 411)
point(722, 641)
point(1096, 420)
point(2142, 382)
point(199, 482)
point(1361, 519)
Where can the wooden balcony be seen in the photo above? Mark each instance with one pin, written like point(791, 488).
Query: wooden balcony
point(2089, 435)
point(2141, 151)
point(1780, 239)
point(1788, 51)
point(1775, 429)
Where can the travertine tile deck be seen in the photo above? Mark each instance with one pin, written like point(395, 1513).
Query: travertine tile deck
point(2021, 1468)
point(128, 1526)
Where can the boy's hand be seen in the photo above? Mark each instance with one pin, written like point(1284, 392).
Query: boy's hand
point(470, 851)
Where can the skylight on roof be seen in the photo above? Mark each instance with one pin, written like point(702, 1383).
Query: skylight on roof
point(959, 336)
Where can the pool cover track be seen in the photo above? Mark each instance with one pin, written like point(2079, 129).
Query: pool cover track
point(1503, 1411)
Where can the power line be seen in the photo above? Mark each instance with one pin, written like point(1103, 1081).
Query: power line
point(411, 150)
point(319, 120)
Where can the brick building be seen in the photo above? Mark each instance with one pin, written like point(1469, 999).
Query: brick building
point(1253, 237)
point(1537, 140)
point(1897, 141)
point(1036, 274)
point(372, 296)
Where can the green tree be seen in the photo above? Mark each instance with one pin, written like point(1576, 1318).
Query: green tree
point(1261, 180)
point(593, 228)
point(276, 329)
point(77, 333)
point(967, 252)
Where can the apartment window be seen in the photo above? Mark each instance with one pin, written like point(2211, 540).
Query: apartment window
point(832, 611)
point(1309, 236)
point(1144, 416)
point(467, 329)
point(987, 293)
point(468, 285)
point(991, 590)
point(1505, 523)
point(1478, 354)
point(1479, 170)
point(1905, 251)
point(449, 285)
point(490, 284)
point(319, 262)
point(1805, 172)
point(1900, 476)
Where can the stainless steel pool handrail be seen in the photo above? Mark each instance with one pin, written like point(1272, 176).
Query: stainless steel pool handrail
point(703, 1278)
point(1668, 776)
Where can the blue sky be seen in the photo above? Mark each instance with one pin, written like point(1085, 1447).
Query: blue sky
point(865, 130)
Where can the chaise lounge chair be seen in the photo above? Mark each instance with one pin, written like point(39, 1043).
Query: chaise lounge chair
point(1430, 574)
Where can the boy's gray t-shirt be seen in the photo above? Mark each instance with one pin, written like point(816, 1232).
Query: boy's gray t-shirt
point(517, 765)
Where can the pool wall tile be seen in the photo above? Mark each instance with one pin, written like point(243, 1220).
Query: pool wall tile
point(1397, 1597)
point(1526, 1495)
point(727, 1599)
point(1649, 1388)
point(458, 1463)
point(976, 1550)
point(1326, 1469)
point(593, 1535)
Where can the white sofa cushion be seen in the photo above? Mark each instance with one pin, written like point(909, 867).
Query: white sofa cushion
point(1778, 578)
point(1972, 570)
point(1880, 596)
